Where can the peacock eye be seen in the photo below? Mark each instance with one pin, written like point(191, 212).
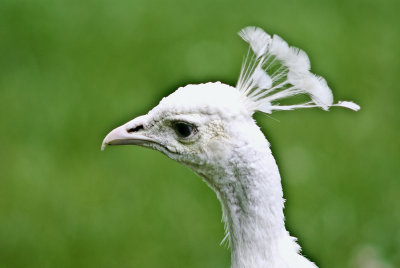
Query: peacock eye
point(183, 130)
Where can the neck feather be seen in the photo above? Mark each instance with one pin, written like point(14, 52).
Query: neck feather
point(250, 191)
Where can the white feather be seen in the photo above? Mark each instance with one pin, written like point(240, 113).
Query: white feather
point(279, 48)
point(316, 87)
point(257, 38)
point(276, 71)
point(349, 105)
point(298, 60)
point(262, 79)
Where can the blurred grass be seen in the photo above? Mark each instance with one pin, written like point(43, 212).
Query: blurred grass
point(72, 70)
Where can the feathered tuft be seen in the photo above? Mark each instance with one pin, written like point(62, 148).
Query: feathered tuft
point(349, 105)
point(257, 38)
point(273, 71)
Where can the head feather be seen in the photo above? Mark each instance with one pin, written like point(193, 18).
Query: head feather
point(272, 71)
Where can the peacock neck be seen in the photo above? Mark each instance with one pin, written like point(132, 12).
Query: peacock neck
point(249, 188)
point(253, 205)
point(246, 179)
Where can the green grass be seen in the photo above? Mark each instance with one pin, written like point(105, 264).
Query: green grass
point(70, 71)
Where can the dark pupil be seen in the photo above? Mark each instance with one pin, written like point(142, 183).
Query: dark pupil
point(183, 129)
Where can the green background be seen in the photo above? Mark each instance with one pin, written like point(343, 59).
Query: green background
point(70, 71)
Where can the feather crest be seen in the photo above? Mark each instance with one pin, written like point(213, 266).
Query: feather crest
point(272, 71)
point(257, 38)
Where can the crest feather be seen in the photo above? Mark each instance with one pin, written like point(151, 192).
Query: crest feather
point(272, 71)
point(257, 38)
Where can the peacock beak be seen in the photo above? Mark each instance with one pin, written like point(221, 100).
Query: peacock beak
point(130, 133)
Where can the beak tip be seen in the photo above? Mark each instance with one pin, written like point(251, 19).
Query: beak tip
point(108, 139)
point(103, 146)
point(120, 136)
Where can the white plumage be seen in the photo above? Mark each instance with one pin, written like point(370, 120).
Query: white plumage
point(209, 128)
point(274, 71)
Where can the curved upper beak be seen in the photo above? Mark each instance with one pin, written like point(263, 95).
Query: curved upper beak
point(130, 133)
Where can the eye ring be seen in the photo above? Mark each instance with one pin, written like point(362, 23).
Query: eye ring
point(183, 129)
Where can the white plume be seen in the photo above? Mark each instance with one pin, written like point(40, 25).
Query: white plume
point(349, 105)
point(257, 38)
point(273, 71)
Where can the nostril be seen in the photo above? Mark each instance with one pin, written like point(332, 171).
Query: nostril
point(135, 129)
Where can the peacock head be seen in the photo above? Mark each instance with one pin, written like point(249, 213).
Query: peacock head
point(197, 125)
point(201, 125)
